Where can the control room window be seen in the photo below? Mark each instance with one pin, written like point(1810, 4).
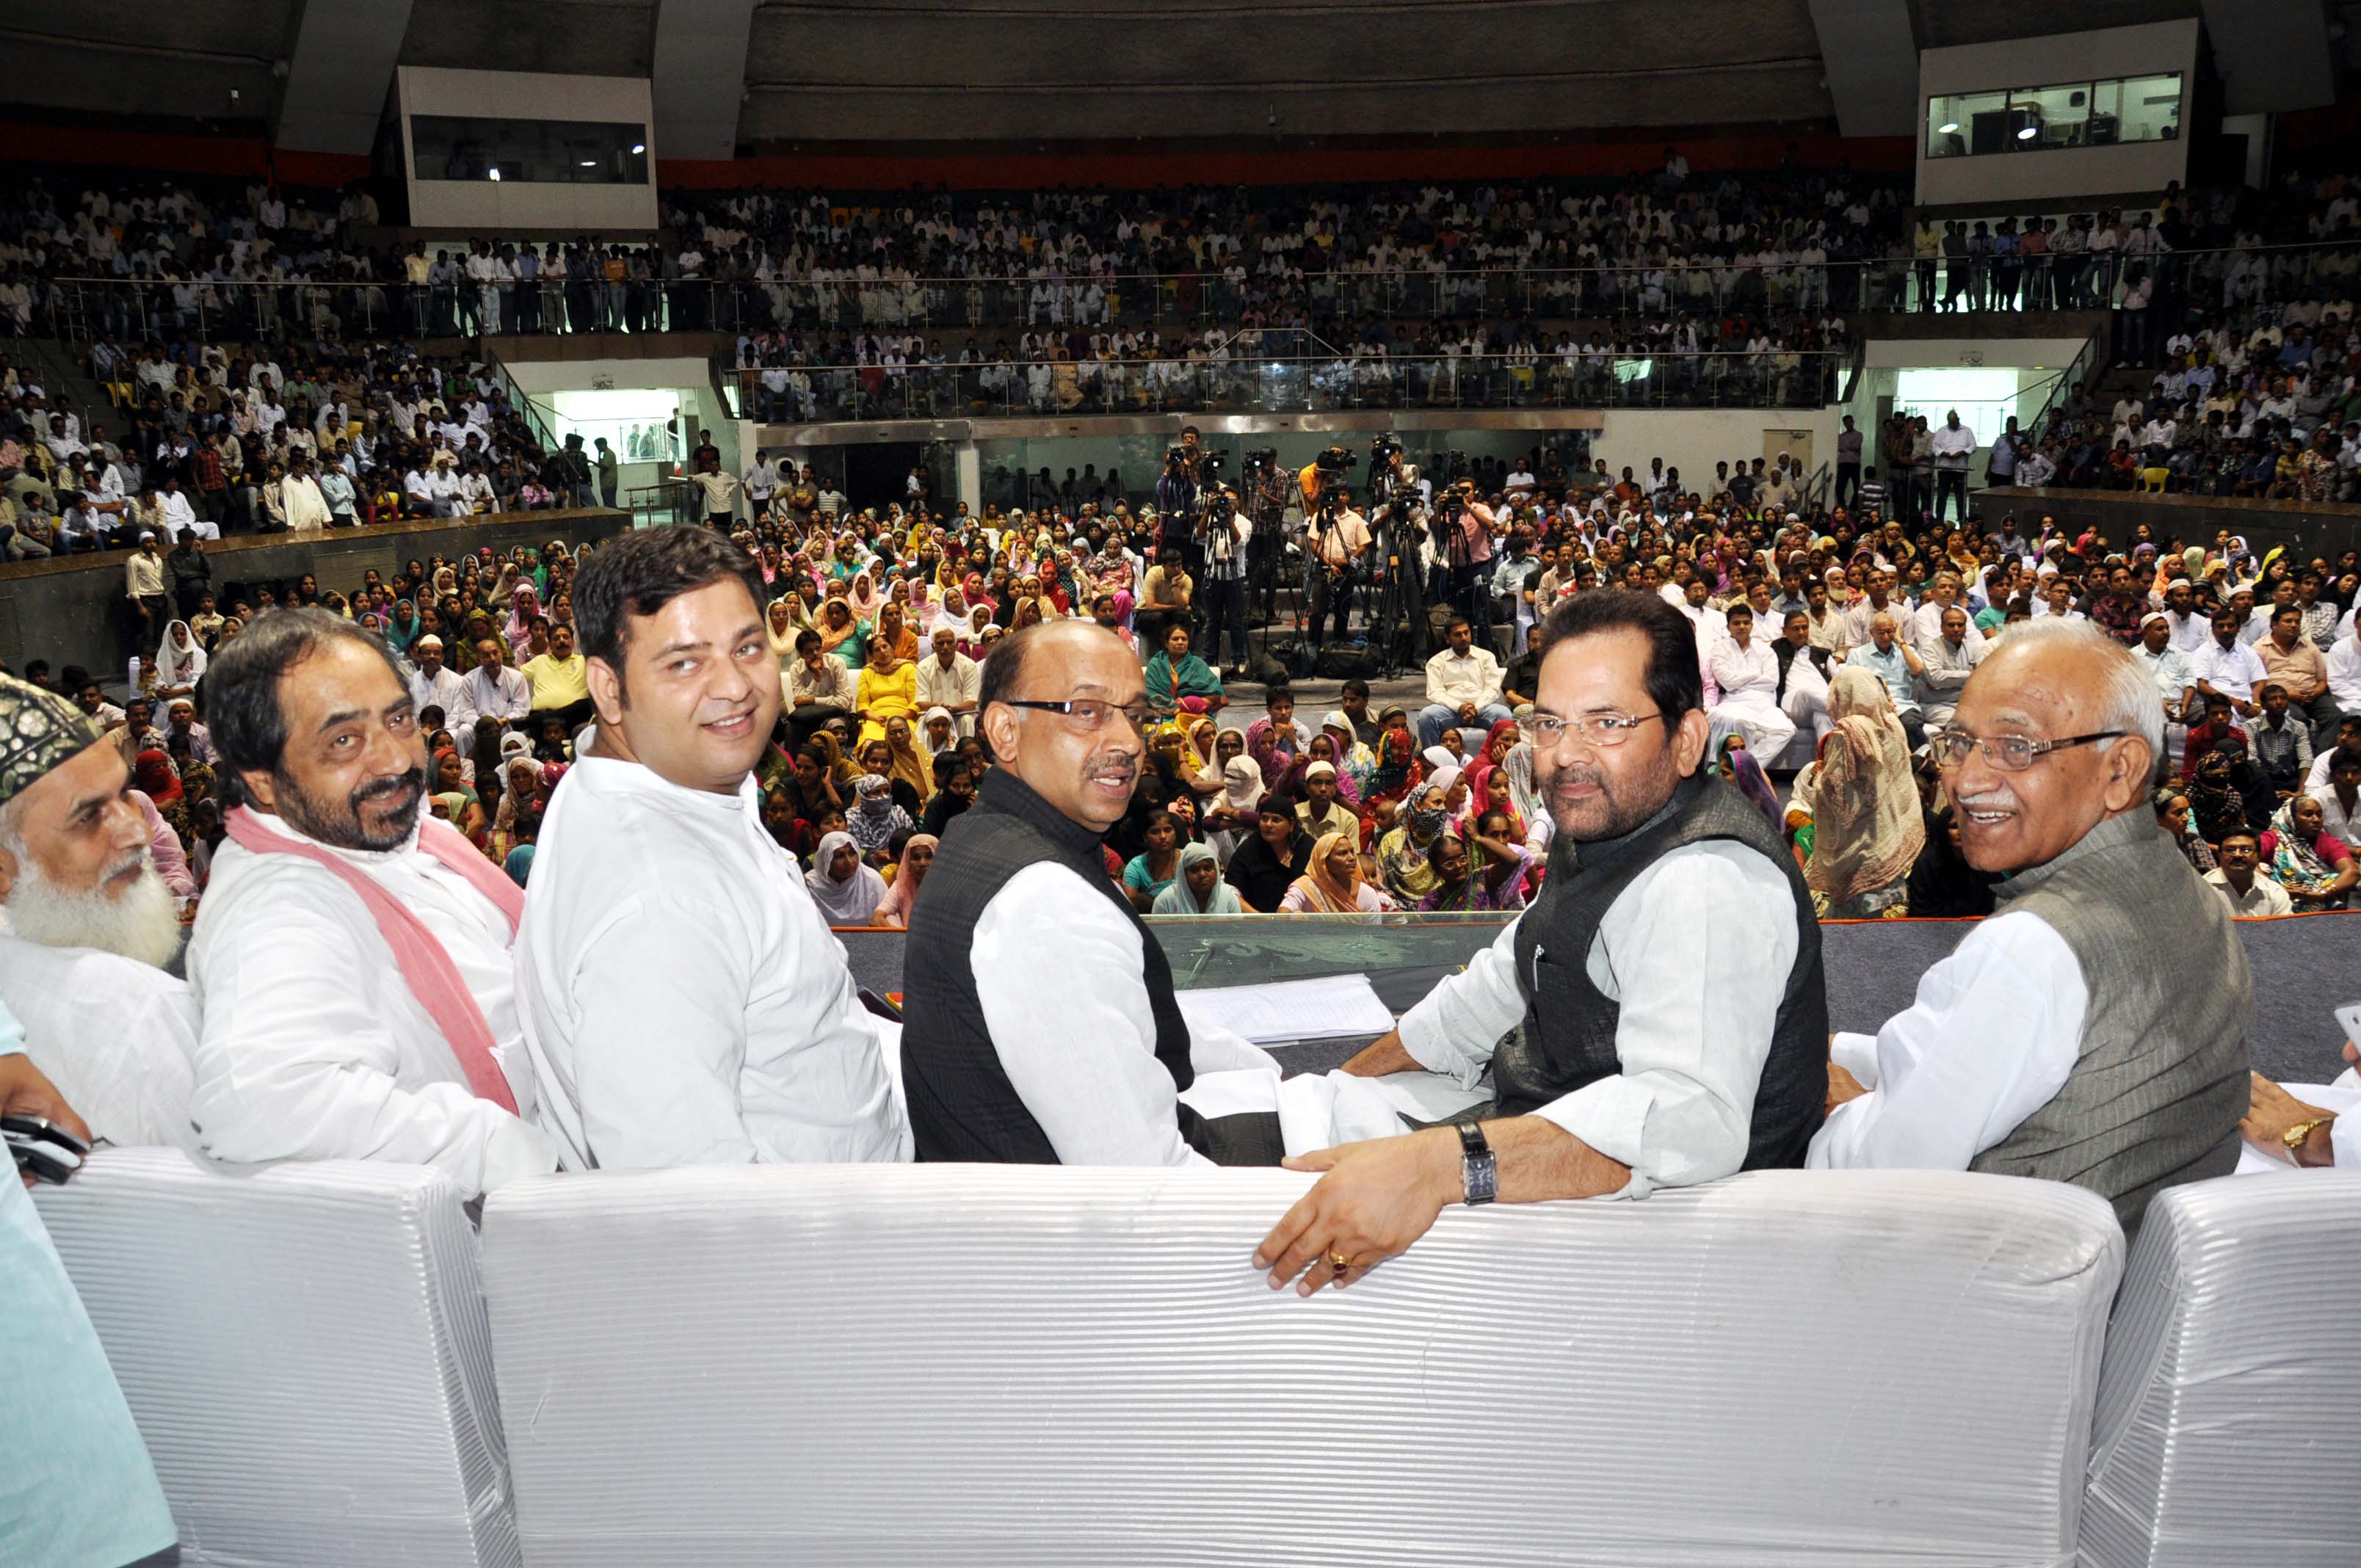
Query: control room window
point(546, 152)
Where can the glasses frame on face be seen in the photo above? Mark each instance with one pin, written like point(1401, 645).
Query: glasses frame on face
point(1602, 733)
point(1087, 716)
point(1949, 746)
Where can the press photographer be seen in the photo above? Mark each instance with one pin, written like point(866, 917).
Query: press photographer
point(1178, 490)
point(1221, 539)
point(1340, 542)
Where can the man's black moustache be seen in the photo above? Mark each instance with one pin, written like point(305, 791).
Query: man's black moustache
point(414, 779)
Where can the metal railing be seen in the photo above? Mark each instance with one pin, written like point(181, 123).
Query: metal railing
point(81, 308)
point(834, 393)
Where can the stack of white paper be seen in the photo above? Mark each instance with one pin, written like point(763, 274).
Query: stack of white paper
point(1331, 1008)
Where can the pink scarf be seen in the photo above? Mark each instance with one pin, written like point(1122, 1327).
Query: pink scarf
point(426, 967)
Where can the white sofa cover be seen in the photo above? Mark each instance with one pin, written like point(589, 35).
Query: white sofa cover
point(305, 1350)
point(2228, 1430)
point(996, 1364)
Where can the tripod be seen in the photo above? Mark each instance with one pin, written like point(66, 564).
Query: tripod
point(1397, 626)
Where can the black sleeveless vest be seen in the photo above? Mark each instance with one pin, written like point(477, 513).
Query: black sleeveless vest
point(1568, 1036)
point(963, 1105)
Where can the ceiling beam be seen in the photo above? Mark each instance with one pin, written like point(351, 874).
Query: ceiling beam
point(1871, 58)
point(2273, 55)
point(700, 75)
point(338, 71)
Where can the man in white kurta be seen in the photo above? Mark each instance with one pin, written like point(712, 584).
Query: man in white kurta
point(684, 999)
point(315, 1044)
point(1746, 672)
point(90, 922)
point(437, 685)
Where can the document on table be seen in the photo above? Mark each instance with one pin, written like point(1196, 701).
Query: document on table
point(1330, 1007)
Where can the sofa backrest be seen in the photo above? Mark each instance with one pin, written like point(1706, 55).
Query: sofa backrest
point(305, 1350)
point(961, 1364)
point(2228, 1429)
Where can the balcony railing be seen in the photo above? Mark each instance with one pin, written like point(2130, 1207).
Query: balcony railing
point(1328, 383)
point(1334, 302)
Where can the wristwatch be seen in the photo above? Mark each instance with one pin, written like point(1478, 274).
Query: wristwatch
point(2296, 1137)
point(1478, 1172)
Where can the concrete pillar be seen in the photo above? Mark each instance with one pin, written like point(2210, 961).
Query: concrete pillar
point(968, 464)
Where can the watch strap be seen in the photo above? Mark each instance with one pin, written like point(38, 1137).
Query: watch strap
point(1480, 1171)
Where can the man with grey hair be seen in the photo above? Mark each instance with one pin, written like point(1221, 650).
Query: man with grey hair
point(2093, 1030)
point(90, 926)
point(352, 958)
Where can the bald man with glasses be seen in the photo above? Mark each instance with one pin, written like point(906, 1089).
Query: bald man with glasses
point(1040, 1025)
point(2092, 1030)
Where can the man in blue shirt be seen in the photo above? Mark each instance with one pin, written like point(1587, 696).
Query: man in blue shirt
point(76, 1487)
point(1892, 660)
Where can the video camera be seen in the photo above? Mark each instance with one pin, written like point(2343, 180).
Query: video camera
point(1260, 462)
point(1209, 466)
point(1335, 462)
point(1384, 450)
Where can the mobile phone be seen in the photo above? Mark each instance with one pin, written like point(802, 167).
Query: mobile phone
point(42, 1127)
point(2349, 1017)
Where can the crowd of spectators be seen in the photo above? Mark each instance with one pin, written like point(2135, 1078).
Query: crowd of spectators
point(1831, 642)
point(199, 439)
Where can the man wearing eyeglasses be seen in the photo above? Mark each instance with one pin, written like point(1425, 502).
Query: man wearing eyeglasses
point(2093, 1030)
point(1662, 1002)
point(998, 1066)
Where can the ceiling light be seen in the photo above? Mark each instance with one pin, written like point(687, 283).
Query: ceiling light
point(1949, 127)
point(494, 174)
point(2029, 133)
point(589, 163)
point(639, 146)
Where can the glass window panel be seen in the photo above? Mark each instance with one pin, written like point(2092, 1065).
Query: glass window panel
point(2151, 108)
point(2048, 116)
point(556, 152)
point(1963, 122)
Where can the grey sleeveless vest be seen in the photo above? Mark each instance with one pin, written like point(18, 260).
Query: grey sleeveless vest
point(2155, 1097)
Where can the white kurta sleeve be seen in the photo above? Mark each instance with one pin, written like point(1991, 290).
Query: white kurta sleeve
point(1993, 1034)
point(660, 1049)
point(1698, 951)
point(292, 1063)
point(1454, 1028)
point(1079, 1048)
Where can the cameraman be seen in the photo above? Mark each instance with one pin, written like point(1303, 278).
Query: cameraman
point(1340, 546)
point(1178, 498)
point(1223, 531)
point(1466, 547)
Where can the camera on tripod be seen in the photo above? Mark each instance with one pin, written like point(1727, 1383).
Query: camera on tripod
point(1209, 466)
point(1260, 462)
point(1335, 463)
point(1384, 450)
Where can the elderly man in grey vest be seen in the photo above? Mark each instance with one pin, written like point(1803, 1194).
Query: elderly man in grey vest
point(2093, 1030)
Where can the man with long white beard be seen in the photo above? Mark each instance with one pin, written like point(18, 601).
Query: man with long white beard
point(90, 926)
point(351, 959)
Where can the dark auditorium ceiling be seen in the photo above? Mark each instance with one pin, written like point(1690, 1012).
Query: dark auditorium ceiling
point(1052, 71)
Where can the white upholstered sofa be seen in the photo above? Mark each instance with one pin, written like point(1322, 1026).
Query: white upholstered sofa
point(959, 1364)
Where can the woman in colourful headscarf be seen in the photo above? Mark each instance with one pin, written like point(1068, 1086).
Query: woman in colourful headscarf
point(1333, 883)
point(1175, 673)
point(1395, 775)
point(1405, 865)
